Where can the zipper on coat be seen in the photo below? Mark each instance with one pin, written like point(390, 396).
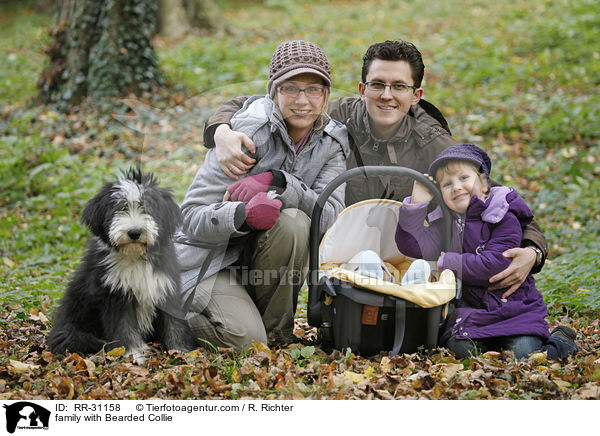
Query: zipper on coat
point(461, 224)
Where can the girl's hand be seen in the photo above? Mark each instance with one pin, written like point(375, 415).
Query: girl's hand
point(420, 193)
point(228, 144)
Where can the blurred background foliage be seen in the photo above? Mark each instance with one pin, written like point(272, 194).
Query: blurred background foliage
point(519, 79)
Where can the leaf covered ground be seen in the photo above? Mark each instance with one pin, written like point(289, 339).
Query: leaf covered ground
point(299, 371)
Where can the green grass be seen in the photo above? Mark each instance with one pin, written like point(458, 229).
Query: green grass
point(23, 37)
point(521, 80)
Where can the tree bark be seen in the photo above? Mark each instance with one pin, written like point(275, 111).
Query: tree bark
point(176, 17)
point(99, 49)
point(209, 15)
point(173, 19)
point(44, 6)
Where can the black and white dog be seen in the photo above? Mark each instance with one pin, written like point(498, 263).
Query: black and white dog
point(128, 274)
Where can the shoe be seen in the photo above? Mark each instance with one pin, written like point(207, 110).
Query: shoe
point(565, 333)
point(418, 273)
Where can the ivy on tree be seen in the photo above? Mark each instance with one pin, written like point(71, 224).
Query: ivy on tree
point(100, 49)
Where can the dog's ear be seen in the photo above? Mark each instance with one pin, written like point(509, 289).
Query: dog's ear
point(94, 213)
point(173, 212)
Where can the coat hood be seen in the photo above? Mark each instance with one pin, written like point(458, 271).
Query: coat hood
point(259, 110)
point(501, 200)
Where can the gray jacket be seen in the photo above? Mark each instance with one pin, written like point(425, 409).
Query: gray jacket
point(208, 240)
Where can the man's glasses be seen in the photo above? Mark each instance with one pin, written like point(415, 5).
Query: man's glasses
point(294, 91)
point(378, 88)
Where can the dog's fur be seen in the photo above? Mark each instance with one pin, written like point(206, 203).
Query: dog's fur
point(129, 270)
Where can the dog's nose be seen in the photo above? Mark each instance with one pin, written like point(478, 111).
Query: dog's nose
point(134, 234)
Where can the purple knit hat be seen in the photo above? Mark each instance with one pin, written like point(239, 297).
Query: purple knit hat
point(296, 57)
point(468, 152)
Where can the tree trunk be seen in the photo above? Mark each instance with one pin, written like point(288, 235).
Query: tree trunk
point(172, 18)
point(44, 6)
point(176, 17)
point(207, 14)
point(99, 49)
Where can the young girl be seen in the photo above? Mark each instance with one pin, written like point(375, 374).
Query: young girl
point(487, 221)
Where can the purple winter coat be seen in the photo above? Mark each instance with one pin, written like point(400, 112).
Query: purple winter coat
point(490, 228)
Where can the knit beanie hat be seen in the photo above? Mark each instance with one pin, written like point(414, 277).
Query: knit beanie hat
point(296, 57)
point(468, 152)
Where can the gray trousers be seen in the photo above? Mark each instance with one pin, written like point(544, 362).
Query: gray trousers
point(257, 303)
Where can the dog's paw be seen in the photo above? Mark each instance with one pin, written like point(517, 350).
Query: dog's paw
point(139, 355)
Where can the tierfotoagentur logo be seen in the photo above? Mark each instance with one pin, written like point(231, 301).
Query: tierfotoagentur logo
point(25, 415)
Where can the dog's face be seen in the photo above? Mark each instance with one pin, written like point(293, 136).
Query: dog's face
point(132, 214)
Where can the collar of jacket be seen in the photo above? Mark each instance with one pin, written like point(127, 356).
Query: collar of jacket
point(423, 128)
point(501, 200)
point(259, 110)
point(328, 127)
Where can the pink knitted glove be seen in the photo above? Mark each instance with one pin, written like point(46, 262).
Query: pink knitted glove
point(262, 212)
point(248, 187)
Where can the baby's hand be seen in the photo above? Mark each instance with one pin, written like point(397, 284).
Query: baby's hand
point(420, 193)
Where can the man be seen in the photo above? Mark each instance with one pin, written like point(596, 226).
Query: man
point(389, 124)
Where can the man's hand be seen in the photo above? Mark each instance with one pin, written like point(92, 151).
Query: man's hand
point(523, 259)
point(232, 159)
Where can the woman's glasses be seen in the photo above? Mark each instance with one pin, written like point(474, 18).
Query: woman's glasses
point(294, 91)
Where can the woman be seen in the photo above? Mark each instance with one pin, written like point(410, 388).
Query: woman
point(243, 246)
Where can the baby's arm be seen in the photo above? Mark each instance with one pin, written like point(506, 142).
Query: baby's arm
point(477, 268)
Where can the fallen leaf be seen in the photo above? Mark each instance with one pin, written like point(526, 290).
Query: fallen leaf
point(355, 377)
point(21, 367)
point(194, 354)
point(236, 375)
point(258, 347)
point(90, 366)
point(499, 383)
point(589, 391)
point(136, 369)
point(116, 352)
point(539, 379)
point(492, 355)
point(384, 394)
point(39, 317)
point(216, 385)
point(538, 358)
point(450, 370)
point(47, 356)
point(306, 352)
point(562, 384)
point(385, 364)
point(63, 386)
point(595, 376)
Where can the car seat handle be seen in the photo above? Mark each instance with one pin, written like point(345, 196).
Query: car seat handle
point(314, 305)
